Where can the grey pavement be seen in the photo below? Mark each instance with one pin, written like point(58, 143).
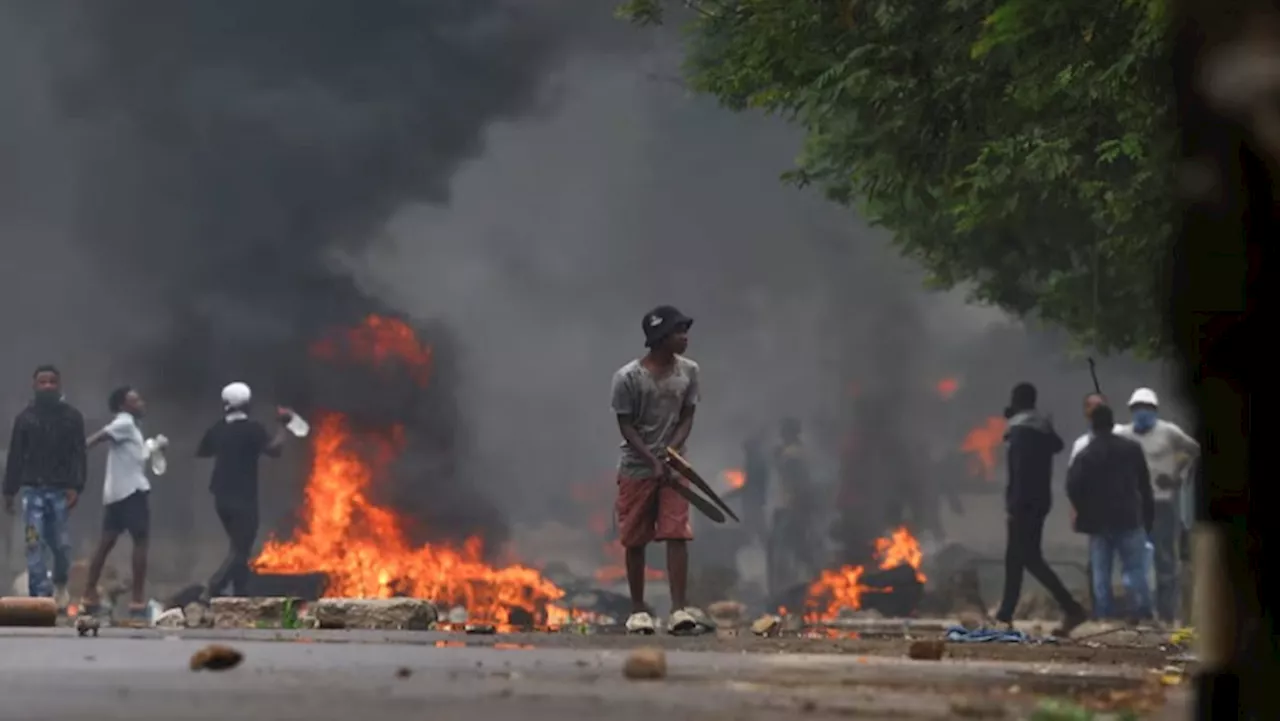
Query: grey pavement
point(144, 676)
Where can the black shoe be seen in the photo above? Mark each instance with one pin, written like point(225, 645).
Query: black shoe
point(1071, 622)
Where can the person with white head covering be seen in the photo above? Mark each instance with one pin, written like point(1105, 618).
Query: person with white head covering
point(1168, 450)
point(236, 442)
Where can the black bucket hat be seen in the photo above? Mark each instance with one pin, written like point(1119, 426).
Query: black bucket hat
point(662, 322)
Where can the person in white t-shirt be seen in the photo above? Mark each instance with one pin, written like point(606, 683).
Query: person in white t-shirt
point(1168, 450)
point(124, 496)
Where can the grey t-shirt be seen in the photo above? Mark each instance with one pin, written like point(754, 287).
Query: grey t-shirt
point(654, 405)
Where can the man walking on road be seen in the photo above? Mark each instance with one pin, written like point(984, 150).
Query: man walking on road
point(1110, 489)
point(46, 469)
point(1032, 443)
point(654, 399)
point(236, 443)
point(1168, 450)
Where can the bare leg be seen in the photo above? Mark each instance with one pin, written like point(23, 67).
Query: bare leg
point(105, 544)
point(678, 572)
point(635, 578)
point(139, 571)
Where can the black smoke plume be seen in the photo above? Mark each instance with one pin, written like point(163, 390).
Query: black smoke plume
point(229, 153)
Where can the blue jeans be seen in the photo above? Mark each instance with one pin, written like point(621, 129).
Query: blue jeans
point(1131, 547)
point(44, 513)
point(1164, 536)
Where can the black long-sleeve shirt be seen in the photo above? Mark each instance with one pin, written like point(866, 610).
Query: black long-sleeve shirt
point(46, 449)
point(1110, 486)
point(1032, 444)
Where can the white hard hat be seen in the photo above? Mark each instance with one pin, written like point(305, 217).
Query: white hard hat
point(1144, 397)
point(236, 394)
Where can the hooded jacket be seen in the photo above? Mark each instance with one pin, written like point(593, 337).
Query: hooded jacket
point(1031, 445)
point(46, 450)
point(1110, 486)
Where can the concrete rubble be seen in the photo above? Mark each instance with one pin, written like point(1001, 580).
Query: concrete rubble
point(250, 612)
point(391, 613)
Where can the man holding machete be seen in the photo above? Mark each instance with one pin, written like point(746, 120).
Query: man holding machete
point(654, 399)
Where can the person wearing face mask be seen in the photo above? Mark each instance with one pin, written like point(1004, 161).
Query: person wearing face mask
point(1168, 449)
point(46, 469)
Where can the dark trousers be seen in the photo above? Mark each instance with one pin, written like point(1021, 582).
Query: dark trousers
point(241, 524)
point(1022, 552)
point(1164, 536)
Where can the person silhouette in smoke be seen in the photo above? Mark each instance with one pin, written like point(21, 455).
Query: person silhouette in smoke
point(236, 442)
point(1032, 443)
point(654, 398)
point(46, 466)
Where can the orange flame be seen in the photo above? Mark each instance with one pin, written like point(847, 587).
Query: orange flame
point(842, 588)
point(378, 341)
point(947, 387)
point(361, 547)
point(982, 443)
point(734, 478)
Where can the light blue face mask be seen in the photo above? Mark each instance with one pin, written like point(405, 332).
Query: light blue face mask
point(1144, 420)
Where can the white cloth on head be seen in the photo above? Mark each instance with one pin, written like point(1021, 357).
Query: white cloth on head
point(236, 395)
point(1144, 397)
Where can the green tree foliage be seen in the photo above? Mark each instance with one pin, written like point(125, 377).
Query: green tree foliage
point(1022, 148)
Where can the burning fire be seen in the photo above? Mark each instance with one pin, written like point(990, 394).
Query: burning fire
point(947, 387)
point(982, 443)
point(734, 478)
point(842, 588)
point(361, 547)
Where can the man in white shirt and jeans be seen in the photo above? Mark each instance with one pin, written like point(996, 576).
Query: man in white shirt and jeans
point(1168, 450)
point(124, 496)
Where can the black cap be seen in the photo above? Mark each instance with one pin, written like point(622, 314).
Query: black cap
point(662, 322)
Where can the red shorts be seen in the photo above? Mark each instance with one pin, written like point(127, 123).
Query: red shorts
point(649, 511)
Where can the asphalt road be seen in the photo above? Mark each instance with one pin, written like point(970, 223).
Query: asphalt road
point(146, 677)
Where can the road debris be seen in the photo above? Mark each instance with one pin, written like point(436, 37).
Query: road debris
point(766, 625)
point(726, 614)
point(978, 708)
point(930, 649)
point(645, 664)
point(25, 611)
point(216, 658)
point(172, 618)
point(481, 629)
point(86, 625)
point(404, 672)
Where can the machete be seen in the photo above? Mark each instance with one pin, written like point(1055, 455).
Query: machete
point(698, 502)
point(678, 464)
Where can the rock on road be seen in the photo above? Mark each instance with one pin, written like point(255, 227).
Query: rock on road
point(54, 675)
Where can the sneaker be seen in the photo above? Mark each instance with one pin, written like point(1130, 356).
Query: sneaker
point(61, 597)
point(641, 623)
point(683, 620)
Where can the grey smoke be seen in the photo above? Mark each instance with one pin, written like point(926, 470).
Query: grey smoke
point(205, 177)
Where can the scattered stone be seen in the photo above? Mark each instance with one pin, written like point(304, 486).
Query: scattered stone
point(930, 649)
point(173, 618)
point(195, 615)
point(481, 629)
point(808, 706)
point(86, 625)
point(645, 664)
point(216, 658)
point(979, 708)
point(404, 672)
point(250, 612)
point(390, 613)
point(726, 614)
point(27, 611)
point(971, 620)
point(766, 625)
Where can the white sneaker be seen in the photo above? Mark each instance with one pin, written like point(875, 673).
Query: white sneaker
point(61, 597)
point(641, 623)
point(682, 621)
